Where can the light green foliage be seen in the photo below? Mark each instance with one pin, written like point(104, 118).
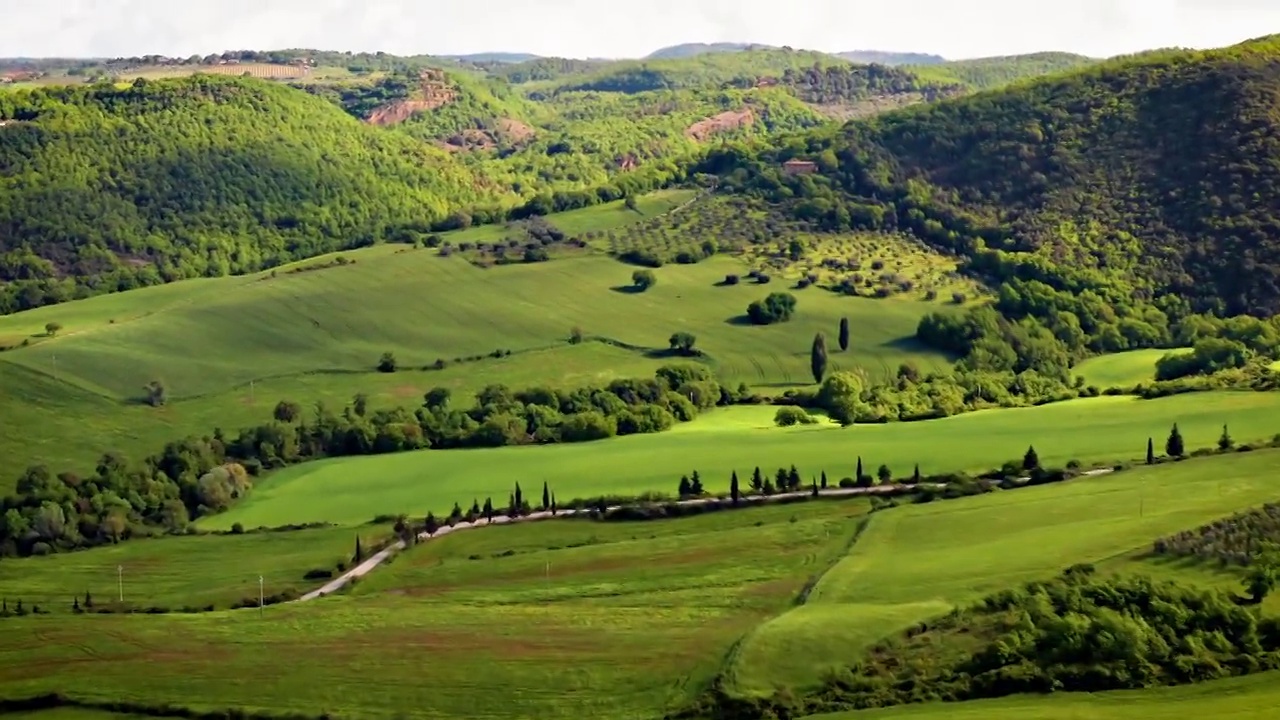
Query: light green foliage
point(352, 490)
point(993, 72)
point(918, 561)
point(1122, 370)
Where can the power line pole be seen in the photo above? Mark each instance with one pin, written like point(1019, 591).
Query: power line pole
point(120, 580)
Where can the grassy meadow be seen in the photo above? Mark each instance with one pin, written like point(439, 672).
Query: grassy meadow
point(1253, 697)
point(919, 561)
point(573, 618)
point(1122, 370)
point(228, 349)
point(188, 571)
point(356, 489)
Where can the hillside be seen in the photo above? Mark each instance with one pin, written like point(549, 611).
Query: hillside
point(107, 187)
point(710, 70)
point(882, 57)
point(693, 49)
point(992, 72)
point(1143, 178)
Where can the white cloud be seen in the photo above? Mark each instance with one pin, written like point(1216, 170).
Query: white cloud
point(581, 28)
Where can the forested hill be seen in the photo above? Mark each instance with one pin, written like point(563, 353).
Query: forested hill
point(1154, 175)
point(107, 187)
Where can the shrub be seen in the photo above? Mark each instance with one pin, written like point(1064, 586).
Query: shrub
point(778, 307)
point(789, 415)
point(318, 574)
point(643, 279)
point(387, 363)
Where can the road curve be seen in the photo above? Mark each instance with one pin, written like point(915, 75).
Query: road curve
point(383, 555)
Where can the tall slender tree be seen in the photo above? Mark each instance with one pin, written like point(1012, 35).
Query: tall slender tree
point(844, 334)
point(1225, 442)
point(695, 484)
point(858, 474)
point(818, 357)
point(430, 525)
point(553, 503)
point(1174, 447)
point(1151, 452)
point(915, 475)
point(518, 500)
point(358, 557)
point(734, 491)
point(824, 479)
point(814, 491)
point(793, 478)
point(1030, 461)
point(488, 509)
point(546, 496)
point(757, 481)
point(686, 488)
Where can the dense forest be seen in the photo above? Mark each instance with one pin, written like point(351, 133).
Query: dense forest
point(1116, 208)
point(106, 188)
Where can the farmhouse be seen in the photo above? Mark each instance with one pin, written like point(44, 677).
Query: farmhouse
point(799, 167)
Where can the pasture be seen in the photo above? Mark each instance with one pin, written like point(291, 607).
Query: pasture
point(1122, 370)
point(919, 561)
point(227, 349)
point(571, 618)
point(1106, 429)
point(185, 571)
point(1253, 697)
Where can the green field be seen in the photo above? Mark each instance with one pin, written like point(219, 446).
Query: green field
point(1122, 370)
point(919, 561)
point(177, 572)
point(353, 490)
point(572, 618)
point(227, 349)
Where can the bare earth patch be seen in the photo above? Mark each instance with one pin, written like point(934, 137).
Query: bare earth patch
point(724, 122)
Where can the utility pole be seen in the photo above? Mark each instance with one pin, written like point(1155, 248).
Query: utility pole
point(120, 580)
point(259, 596)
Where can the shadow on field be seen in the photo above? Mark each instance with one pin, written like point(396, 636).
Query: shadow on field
point(740, 321)
point(627, 289)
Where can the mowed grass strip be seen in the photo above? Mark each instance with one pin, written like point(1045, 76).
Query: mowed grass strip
point(1254, 697)
point(185, 571)
point(918, 561)
point(354, 490)
point(632, 620)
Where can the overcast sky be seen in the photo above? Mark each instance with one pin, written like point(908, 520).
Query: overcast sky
point(594, 28)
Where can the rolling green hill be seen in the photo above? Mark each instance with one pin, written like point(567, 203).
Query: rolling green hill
point(104, 187)
point(992, 72)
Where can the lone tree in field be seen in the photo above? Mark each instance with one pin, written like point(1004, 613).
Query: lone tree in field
point(1173, 447)
point(359, 554)
point(778, 307)
point(643, 280)
point(1151, 452)
point(387, 363)
point(546, 495)
point(287, 412)
point(1030, 461)
point(52, 328)
point(818, 357)
point(915, 475)
point(844, 334)
point(1225, 442)
point(157, 393)
point(682, 343)
point(734, 492)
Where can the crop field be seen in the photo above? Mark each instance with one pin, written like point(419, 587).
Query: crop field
point(177, 572)
point(918, 561)
point(1253, 697)
point(227, 349)
point(265, 71)
point(1107, 429)
point(1122, 370)
point(575, 619)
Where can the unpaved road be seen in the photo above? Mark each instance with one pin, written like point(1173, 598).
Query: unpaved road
point(383, 555)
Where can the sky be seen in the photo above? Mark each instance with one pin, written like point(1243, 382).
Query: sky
point(593, 28)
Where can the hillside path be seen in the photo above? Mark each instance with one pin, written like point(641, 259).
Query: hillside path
point(385, 554)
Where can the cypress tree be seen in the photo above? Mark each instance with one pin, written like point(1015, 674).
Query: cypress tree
point(844, 334)
point(1173, 447)
point(512, 511)
point(734, 492)
point(75, 604)
point(430, 525)
point(553, 504)
point(757, 480)
point(88, 600)
point(1151, 452)
point(1225, 442)
point(818, 357)
point(685, 488)
point(475, 509)
point(1031, 460)
point(782, 480)
point(793, 478)
point(814, 492)
point(824, 479)
point(546, 496)
point(359, 556)
point(695, 484)
point(488, 509)
point(858, 474)
point(518, 499)
point(915, 475)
